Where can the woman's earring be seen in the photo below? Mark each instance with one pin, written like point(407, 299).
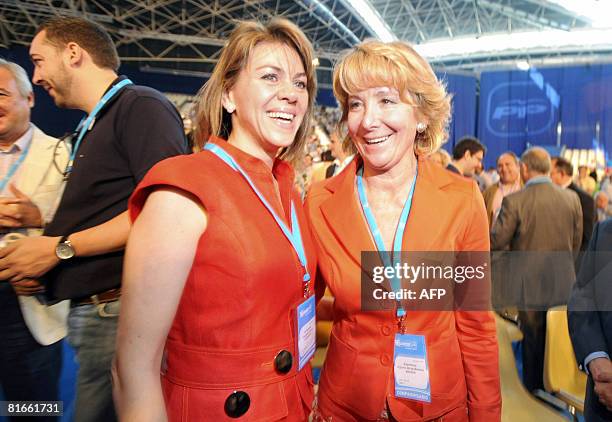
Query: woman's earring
point(230, 109)
point(420, 127)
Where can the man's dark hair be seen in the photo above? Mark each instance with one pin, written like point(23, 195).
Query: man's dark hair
point(90, 36)
point(467, 143)
point(327, 156)
point(564, 166)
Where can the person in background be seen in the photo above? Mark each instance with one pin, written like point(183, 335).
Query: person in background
point(606, 184)
point(585, 181)
point(80, 255)
point(220, 248)
point(341, 157)
point(602, 206)
point(467, 156)
point(561, 175)
point(493, 175)
point(480, 178)
point(590, 323)
point(593, 173)
point(509, 182)
point(545, 221)
point(440, 157)
point(483, 178)
point(30, 187)
point(396, 113)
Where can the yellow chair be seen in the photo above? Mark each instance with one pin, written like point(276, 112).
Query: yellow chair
point(517, 404)
point(561, 374)
point(323, 332)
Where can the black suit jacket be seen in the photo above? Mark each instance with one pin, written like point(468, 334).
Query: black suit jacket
point(590, 309)
point(589, 214)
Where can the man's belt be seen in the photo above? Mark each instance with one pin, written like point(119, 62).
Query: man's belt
point(104, 297)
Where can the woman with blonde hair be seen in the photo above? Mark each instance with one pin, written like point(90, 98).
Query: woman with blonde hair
point(216, 291)
point(398, 364)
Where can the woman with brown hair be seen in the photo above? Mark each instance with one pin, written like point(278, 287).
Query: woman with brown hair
point(216, 290)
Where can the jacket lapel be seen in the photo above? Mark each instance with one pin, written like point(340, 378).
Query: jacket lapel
point(344, 216)
point(427, 212)
point(347, 223)
point(37, 162)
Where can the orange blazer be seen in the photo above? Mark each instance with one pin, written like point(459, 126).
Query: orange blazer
point(447, 214)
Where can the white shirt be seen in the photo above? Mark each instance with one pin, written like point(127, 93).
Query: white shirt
point(9, 156)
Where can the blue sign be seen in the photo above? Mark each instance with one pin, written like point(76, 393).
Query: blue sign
point(532, 113)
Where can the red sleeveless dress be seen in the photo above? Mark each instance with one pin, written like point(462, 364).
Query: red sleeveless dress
point(238, 308)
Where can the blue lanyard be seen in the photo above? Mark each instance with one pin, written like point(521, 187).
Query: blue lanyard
point(399, 233)
point(87, 122)
point(14, 167)
point(294, 235)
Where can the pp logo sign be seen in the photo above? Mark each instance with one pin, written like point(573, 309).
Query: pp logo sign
point(509, 117)
point(520, 109)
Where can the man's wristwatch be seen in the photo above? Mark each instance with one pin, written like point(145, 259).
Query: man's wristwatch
point(64, 249)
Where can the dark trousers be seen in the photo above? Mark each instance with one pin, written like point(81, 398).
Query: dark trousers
point(28, 371)
point(533, 326)
point(594, 411)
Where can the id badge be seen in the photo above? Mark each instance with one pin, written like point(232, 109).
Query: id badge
point(410, 368)
point(306, 329)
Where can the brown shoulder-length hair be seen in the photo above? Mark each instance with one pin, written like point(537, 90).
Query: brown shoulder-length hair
point(395, 64)
point(211, 117)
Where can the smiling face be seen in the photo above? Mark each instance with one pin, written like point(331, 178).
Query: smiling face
point(471, 162)
point(382, 127)
point(50, 71)
point(508, 169)
point(269, 99)
point(14, 109)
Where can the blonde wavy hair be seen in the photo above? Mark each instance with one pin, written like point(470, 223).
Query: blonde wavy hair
point(395, 64)
point(212, 118)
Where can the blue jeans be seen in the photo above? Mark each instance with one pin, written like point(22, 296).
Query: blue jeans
point(28, 371)
point(91, 332)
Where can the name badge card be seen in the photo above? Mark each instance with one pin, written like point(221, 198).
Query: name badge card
point(410, 368)
point(306, 329)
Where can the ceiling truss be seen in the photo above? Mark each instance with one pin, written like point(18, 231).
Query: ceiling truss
point(187, 35)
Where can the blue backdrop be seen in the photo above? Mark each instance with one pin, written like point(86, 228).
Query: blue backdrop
point(463, 118)
point(569, 106)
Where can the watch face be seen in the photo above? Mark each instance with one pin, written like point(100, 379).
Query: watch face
point(64, 251)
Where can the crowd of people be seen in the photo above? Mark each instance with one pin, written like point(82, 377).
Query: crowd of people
point(189, 284)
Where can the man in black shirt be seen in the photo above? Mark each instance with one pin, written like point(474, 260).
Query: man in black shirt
point(129, 128)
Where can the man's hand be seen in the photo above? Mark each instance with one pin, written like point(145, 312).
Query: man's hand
point(600, 366)
point(30, 257)
point(19, 211)
point(27, 287)
point(601, 371)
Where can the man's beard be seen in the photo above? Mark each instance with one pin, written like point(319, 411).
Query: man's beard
point(62, 87)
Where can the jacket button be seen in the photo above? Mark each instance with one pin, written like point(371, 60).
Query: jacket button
point(385, 360)
point(386, 330)
point(283, 362)
point(237, 404)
